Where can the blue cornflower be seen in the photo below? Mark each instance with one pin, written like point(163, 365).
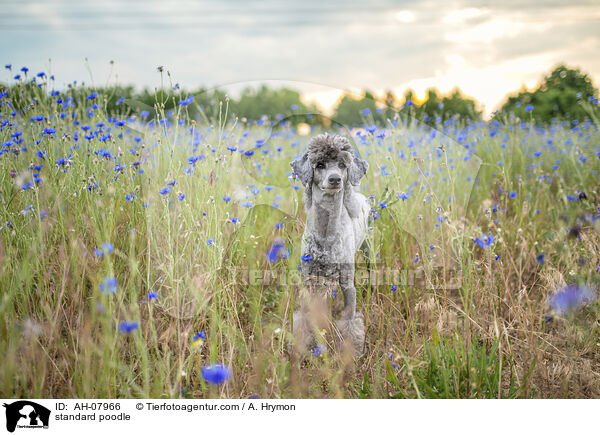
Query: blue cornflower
point(529, 108)
point(216, 373)
point(109, 285)
point(210, 242)
point(571, 298)
point(128, 327)
point(273, 254)
point(512, 194)
point(319, 350)
point(540, 258)
point(152, 295)
point(108, 247)
point(306, 258)
point(181, 197)
point(485, 241)
point(403, 195)
point(394, 288)
point(164, 191)
point(383, 204)
point(366, 112)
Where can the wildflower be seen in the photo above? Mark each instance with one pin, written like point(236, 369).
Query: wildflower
point(216, 373)
point(571, 298)
point(227, 198)
point(394, 288)
point(485, 241)
point(164, 191)
point(403, 195)
point(319, 350)
point(152, 295)
point(383, 204)
point(273, 254)
point(529, 108)
point(181, 197)
point(306, 258)
point(540, 258)
point(210, 242)
point(109, 285)
point(198, 338)
point(127, 327)
point(512, 194)
point(108, 247)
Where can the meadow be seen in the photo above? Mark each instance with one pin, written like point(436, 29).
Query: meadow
point(139, 248)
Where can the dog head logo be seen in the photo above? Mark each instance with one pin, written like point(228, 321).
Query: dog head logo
point(26, 414)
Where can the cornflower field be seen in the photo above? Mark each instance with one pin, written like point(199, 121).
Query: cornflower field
point(140, 249)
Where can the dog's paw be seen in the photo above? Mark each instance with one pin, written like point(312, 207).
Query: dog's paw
point(352, 331)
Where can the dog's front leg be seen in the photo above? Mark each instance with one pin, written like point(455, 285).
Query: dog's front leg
point(347, 285)
point(351, 327)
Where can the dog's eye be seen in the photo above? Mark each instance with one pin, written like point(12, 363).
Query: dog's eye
point(342, 165)
point(320, 165)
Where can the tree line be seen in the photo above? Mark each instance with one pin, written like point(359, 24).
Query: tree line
point(564, 94)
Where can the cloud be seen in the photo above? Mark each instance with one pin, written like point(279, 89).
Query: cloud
point(486, 48)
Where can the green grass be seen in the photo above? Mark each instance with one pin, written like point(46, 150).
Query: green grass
point(466, 322)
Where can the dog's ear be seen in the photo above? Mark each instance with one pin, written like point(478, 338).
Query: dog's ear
point(303, 169)
point(357, 170)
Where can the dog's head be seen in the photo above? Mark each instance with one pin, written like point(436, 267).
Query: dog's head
point(330, 164)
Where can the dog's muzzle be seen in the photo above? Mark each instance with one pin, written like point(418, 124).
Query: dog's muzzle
point(334, 180)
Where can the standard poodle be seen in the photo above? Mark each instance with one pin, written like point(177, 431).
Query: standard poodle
point(336, 227)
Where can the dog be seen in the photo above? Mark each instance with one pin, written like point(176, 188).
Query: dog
point(336, 227)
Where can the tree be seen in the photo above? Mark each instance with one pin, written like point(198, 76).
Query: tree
point(255, 103)
point(357, 111)
point(564, 94)
point(439, 109)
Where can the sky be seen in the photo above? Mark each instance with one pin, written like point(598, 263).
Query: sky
point(488, 49)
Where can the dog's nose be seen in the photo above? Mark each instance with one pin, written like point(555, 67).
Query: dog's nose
point(335, 179)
